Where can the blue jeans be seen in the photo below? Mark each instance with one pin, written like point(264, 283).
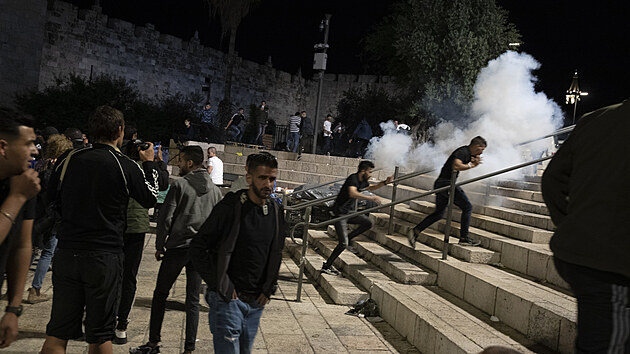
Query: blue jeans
point(44, 262)
point(233, 324)
point(292, 141)
point(441, 202)
point(235, 133)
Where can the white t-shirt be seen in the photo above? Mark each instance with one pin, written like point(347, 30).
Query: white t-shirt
point(327, 128)
point(217, 170)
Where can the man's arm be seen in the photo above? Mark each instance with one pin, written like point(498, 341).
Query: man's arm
point(210, 167)
point(458, 165)
point(17, 268)
point(380, 184)
point(23, 187)
point(166, 216)
point(143, 183)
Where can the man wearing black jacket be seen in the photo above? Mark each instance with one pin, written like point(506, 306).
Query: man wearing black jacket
point(585, 188)
point(96, 184)
point(238, 252)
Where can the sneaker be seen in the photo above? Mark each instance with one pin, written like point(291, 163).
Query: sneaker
point(145, 349)
point(120, 337)
point(469, 242)
point(329, 271)
point(411, 237)
point(35, 297)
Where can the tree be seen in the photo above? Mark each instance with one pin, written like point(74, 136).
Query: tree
point(375, 105)
point(437, 48)
point(230, 13)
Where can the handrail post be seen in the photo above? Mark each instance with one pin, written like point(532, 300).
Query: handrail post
point(307, 220)
point(449, 214)
point(390, 230)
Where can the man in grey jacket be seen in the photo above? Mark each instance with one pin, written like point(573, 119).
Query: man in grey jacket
point(188, 204)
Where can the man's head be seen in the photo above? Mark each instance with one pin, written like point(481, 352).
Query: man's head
point(190, 159)
point(212, 151)
point(477, 145)
point(207, 106)
point(56, 145)
point(262, 171)
point(329, 117)
point(75, 136)
point(365, 170)
point(17, 143)
point(107, 125)
point(131, 132)
point(263, 103)
point(187, 122)
point(303, 114)
point(241, 110)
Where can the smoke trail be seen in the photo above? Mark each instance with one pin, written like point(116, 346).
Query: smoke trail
point(506, 111)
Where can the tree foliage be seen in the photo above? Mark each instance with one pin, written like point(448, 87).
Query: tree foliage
point(375, 105)
point(70, 101)
point(437, 48)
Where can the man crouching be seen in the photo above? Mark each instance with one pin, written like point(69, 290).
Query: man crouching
point(238, 252)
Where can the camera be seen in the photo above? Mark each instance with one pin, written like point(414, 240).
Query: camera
point(141, 144)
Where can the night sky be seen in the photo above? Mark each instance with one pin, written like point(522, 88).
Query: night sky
point(590, 36)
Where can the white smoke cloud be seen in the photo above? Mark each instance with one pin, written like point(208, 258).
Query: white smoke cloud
point(506, 111)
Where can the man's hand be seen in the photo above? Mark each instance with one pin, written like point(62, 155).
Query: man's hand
point(159, 153)
point(376, 199)
point(26, 184)
point(148, 154)
point(262, 300)
point(388, 180)
point(475, 160)
point(234, 295)
point(159, 255)
point(8, 329)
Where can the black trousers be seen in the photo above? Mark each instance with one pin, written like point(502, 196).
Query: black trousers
point(172, 264)
point(134, 244)
point(344, 238)
point(603, 324)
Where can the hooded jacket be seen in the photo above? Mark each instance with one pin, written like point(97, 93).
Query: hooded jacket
point(187, 205)
point(211, 249)
point(585, 188)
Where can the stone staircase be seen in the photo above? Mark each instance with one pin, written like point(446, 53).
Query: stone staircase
point(506, 292)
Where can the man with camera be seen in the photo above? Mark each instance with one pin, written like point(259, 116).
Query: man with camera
point(96, 184)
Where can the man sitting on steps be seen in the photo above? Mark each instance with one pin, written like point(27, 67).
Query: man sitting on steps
point(464, 158)
point(344, 204)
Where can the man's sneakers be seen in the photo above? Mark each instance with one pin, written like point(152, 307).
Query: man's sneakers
point(148, 348)
point(330, 270)
point(411, 237)
point(468, 242)
point(35, 297)
point(120, 333)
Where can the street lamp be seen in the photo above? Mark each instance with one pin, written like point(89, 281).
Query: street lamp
point(574, 94)
point(319, 63)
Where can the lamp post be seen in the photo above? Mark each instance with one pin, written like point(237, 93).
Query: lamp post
point(319, 63)
point(574, 94)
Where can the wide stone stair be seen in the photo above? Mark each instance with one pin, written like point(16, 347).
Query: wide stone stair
point(506, 292)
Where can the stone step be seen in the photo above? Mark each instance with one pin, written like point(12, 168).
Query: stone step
point(390, 263)
point(341, 290)
point(292, 156)
point(533, 179)
point(522, 185)
point(520, 217)
point(435, 240)
point(492, 224)
point(517, 193)
point(525, 205)
point(540, 313)
point(433, 324)
point(532, 259)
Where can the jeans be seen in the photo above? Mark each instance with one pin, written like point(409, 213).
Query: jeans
point(233, 324)
point(133, 245)
point(44, 262)
point(235, 133)
point(603, 308)
point(328, 143)
point(172, 264)
point(293, 139)
point(364, 223)
point(306, 144)
point(461, 200)
point(261, 131)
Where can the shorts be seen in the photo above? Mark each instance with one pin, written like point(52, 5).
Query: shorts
point(90, 280)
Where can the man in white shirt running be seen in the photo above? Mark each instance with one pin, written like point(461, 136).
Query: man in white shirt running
point(215, 166)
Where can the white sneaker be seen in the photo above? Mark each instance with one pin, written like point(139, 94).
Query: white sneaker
point(120, 338)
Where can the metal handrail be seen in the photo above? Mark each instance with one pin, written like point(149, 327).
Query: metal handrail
point(341, 179)
point(307, 223)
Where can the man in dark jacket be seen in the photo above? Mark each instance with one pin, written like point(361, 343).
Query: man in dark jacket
point(306, 134)
point(187, 206)
point(87, 267)
point(238, 252)
point(585, 188)
point(361, 137)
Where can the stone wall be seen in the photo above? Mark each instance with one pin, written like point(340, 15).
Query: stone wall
point(21, 36)
point(86, 41)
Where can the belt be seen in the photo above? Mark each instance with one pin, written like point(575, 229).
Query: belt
point(248, 298)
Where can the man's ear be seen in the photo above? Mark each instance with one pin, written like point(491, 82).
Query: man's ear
point(4, 145)
point(248, 178)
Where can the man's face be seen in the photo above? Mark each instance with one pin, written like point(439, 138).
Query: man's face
point(261, 181)
point(210, 153)
point(207, 106)
point(20, 151)
point(366, 174)
point(477, 150)
point(187, 123)
point(240, 111)
point(303, 114)
point(184, 165)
